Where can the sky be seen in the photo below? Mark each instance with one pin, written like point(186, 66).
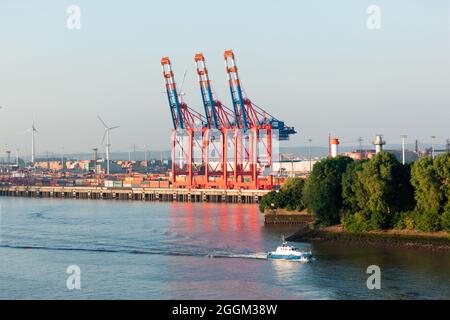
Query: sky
point(314, 64)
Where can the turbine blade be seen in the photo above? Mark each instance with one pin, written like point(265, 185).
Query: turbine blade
point(114, 127)
point(103, 122)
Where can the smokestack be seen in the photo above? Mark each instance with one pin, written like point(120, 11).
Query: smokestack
point(447, 145)
point(95, 154)
point(379, 143)
point(334, 143)
point(416, 146)
point(8, 156)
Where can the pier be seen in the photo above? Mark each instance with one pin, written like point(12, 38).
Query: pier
point(137, 194)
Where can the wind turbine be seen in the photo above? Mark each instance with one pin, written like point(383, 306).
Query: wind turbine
point(33, 147)
point(107, 145)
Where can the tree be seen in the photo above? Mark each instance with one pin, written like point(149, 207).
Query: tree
point(428, 192)
point(290, 196)
point(323, 189)
point(442, 166)
point(292, 190)
point(377, 190)
point(351, 187)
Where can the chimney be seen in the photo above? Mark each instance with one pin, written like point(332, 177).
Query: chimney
point(379, 143)
point(334, 143)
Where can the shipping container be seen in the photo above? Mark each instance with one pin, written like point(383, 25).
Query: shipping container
point(164, 184)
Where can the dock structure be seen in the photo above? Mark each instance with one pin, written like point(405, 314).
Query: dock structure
point(138, 194)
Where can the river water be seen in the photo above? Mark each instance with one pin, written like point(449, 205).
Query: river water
point(151, 250)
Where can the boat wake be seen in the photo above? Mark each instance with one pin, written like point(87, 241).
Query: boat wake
point(259, 255)
point(149, 251)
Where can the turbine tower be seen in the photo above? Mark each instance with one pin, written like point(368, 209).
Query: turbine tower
point(107, 145)
point(33, 130)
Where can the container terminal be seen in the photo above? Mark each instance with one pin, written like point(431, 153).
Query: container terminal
point(229, 154)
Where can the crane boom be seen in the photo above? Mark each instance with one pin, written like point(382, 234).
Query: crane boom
point(183, 117)
point(205, 88)
point(217, 115)
point(235, 90)
point(247, 113)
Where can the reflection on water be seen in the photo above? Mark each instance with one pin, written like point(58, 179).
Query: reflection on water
point(190, 251)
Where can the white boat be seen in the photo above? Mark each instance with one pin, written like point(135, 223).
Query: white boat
point(287, 252)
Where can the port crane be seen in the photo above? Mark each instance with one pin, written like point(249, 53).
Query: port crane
point(185, 135)
point(234, 145)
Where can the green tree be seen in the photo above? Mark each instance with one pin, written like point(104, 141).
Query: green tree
point(351, 186)
point(290, 196)
point(442, 167)
point(427, 185)
point(323, 189)
point(445, 219)
point(377, 189)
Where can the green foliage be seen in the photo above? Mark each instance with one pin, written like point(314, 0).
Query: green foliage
point(357, 222)
point(323, 189)
point(379, 188)
point(428, 191)
point(445, 219)
point(290, 196)
point(270, 200)
point(428, 221)
point(406, 220)
point(384, 186)
point(374, 194)
point(351, 186)
point(292, 190)
point(431, 180)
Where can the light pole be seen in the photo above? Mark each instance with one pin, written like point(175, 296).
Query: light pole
point(360, 140)
point(62, 158)
point(403, 136)
point(432, 146)
point(309, 154)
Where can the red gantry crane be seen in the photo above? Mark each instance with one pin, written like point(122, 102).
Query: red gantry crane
point(234, 145)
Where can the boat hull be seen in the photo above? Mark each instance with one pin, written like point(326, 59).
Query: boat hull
point(302, 257)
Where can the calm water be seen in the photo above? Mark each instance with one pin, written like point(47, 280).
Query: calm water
point(148, 250)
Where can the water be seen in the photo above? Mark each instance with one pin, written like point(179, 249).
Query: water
point(134, 250)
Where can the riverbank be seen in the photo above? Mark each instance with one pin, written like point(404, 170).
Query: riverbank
point(404, 238)
point(283, 216)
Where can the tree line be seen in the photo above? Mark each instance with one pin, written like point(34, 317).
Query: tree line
point(373, 194)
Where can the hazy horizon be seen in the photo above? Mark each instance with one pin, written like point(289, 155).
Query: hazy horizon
point(315, 65)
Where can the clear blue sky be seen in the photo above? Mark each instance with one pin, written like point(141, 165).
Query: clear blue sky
point(312, 63)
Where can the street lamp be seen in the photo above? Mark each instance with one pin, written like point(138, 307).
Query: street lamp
point(432, 146)
point(403, 136)
point(309, 155)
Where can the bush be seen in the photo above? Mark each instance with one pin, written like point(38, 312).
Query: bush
point(406, 220)
point(290, 196)
point(357, 222)
point(428, 221)
point(445, 219)
point(270, 200)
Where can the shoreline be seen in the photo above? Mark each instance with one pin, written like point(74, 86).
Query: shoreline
point(136, 194)
point(283, 216)
point(436, 241)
